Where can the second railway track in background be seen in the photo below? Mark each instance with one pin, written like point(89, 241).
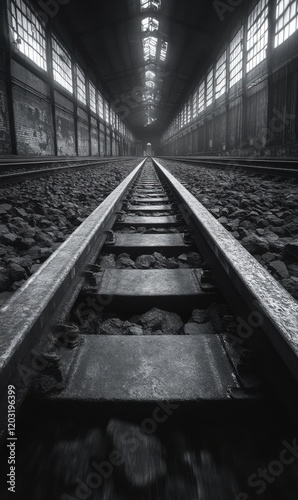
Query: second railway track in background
point(248, 361)
point(268, 166)
point(18, 170)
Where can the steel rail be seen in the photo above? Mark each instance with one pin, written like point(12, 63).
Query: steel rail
point(257, 165)
point(240, 275)
point(30, 311)
point(30, 174)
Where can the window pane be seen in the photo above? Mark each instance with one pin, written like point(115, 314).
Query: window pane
point(62, 71)
point(286, 20)
point(81, 85)
point(257, 34)
point(27, 32)
point(236, 58)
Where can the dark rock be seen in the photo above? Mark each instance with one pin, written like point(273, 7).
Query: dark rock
point(5, 280)
point(293, 269)
point(144, 463)
point(34, 268)
point(134, 330)
point(255, 244)
point(125, 262)
point(8, 239)
point(108, 261)
point(279, 267)
point(183, 258)
point(3, 251)
point(17, 272)
point(156, 319)
point(173, 263)
point(45, 253)
point(20, 212)
point(194, 259)
point(26, 243)
point(114, 326)
point(291, 250)
point(198, 329)
point(291, 285)
point(161, 262)
point(4, 297)
point(199, 316)
point(145, 261)
point(268, 257)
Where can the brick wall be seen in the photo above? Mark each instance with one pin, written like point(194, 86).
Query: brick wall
point(5, 144)
point(34, 125)
point(65, 133)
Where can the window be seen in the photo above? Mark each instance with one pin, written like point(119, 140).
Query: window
point(150, 4)
point(150, 75)
point(28, 32)
point(202, 96)
point(81, 85)
point(149, 84)
point(100, 105)
point(195, 98)
point(62, 71)
point(188, 111)
point(209, 89)
point(107, 112)
point(286, 20)
point(163, 50)
point(236, 58)
point(149, 46)
point(221, 75)
point(92, 97)
point(150, 24)
point(257, 35)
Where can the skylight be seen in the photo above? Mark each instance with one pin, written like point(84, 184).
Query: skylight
point(150, 4)
point(150, 47)
point(149, 84)
point(163, 50)
point(150, 75)
point(150, 24)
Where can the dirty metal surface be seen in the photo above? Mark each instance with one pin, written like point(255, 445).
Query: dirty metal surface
point(138, 220)
point(142, 369)
point(150, 282)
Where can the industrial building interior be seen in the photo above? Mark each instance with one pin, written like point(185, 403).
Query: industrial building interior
point(148, 249)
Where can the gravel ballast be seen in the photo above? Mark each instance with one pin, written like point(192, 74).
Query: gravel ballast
point(260, 211)
point(37, 215)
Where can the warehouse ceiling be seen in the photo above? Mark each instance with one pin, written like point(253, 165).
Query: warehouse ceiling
point(111, 34)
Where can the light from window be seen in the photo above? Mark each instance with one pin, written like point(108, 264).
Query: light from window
point(221, 75)
point(163, 50)
point(188, 111)
point(149, 84)
point(236, 58)
point(107, 112)
point(149, 75)
point(92, 97)
point(209, 89)
point(201, 106)
point(257, 35)
point(195, 98)
point(150, 24)
point(100, 105)
point(62, 71)
point(150, 47)
point(28, 32)
point(150, 4)
point(286, 20)
point(81, 85)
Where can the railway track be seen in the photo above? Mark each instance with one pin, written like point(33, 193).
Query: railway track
point(18, 170)
point(280, 167)
point(150, 302)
